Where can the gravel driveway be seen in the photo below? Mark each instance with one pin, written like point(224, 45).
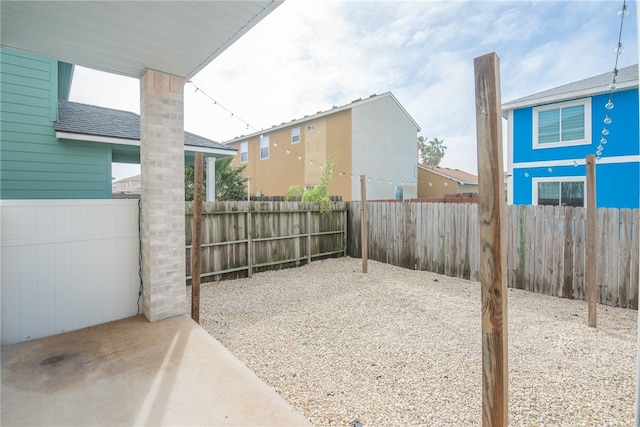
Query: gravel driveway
point(397, 347)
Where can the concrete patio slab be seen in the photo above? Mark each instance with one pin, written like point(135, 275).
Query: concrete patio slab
point(132, 372)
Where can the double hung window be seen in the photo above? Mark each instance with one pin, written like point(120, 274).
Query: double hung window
point(564, 124)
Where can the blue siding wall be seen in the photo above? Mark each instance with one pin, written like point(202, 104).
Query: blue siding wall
point(622, 140)
point(33, 164)
point(617, 184)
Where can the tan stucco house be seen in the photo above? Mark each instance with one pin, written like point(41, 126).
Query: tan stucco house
point(373, 137)
point(436, 182)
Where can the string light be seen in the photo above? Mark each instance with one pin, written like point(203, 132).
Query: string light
point(622, 13)
point(231, 116)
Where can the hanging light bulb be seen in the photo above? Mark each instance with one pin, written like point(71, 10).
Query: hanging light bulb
point(549, 170)
point(299, 157)
point(612, 86)
point(603, 140)
point(619, 49)
point(526, 174)
point(598, 157)
point(609, 105)
point(288, 151)
point(275, 144)
point(605, 131)
point(599, 151)
point(624, 12)
point(378, 180)
point(607, 120)
point(575, 164)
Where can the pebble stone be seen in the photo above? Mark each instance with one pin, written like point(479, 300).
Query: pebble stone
point(397, 347)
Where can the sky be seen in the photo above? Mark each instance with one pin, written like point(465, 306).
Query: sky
point(307, 56)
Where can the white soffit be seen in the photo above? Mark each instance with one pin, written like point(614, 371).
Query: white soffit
point(126, 37)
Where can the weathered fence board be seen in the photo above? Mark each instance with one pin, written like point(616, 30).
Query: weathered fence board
point(240, 238)
point(546, 245)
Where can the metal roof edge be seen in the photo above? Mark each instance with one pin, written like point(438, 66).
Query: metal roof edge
point(512, 105)
point(336, 109)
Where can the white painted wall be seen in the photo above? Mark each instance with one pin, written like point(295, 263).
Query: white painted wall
point(66, 264)
point(384, 148)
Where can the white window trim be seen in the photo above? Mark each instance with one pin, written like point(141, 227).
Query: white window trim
point(244, 144)
point(587, 124)
point(535, 181)
point(268, 147)
point(298, 135)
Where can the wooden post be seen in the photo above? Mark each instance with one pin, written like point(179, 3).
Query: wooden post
point(493, 242)
point(308, 235)
point(591, 260)
point(196, 237)
point(363, 223)
point(249, 242)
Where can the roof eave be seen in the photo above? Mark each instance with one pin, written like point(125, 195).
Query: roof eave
point(324, 114)
point(512, 105)
point(136, 143)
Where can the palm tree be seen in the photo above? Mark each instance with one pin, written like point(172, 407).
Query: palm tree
point(431, 152)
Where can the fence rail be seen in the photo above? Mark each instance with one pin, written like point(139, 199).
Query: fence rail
point(240, 238)
point(546, 245)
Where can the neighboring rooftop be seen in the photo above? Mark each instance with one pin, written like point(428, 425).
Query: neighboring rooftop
point(84, 119)
point(332, 110)
point(461, 177)
point(627, 78)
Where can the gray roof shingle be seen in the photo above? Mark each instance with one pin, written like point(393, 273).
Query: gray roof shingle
point(627, 77)
point(87, 119)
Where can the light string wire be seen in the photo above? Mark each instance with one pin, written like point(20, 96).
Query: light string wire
point(341, 173)
point(622, 13)
point(232, 114)
point(290, 150)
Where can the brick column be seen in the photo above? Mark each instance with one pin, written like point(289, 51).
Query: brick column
point(162, 214)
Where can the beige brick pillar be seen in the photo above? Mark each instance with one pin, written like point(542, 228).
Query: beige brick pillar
point(162, 215)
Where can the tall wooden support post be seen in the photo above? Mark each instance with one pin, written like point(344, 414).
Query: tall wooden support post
point(591, 261)
point(493, 257)
point(196, 237)
point(363, 224)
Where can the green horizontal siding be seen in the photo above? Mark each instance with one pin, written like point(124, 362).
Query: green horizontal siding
point(33, 163)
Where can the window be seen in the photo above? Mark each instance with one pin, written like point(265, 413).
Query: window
point(244, 152)
point(559, 192)
point(563, 124)
point(264, 147)
point(295, 135)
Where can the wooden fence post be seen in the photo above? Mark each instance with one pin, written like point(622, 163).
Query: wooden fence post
point(308, 235)
point(249, 242)
point(592, 260)
point(363, 223)
point(493, 263)
point(196, 237)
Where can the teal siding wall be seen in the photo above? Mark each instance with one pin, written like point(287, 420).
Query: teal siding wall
point(33, 164)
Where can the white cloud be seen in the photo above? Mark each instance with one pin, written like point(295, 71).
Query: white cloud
point(309, 55)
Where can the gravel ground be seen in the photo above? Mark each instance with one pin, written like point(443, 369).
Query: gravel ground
point(397, 347)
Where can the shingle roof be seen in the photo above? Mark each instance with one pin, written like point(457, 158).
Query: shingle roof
point(627, 78)
point(455, 174)
point(87, 119)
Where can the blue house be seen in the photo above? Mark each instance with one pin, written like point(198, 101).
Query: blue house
point(56, 149)
point(551, 133)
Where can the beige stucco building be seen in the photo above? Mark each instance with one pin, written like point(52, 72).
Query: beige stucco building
point(436, 182)
point(375, 137)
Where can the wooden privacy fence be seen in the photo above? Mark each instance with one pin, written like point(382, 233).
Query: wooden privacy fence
point(240, 238)
point(546, 245)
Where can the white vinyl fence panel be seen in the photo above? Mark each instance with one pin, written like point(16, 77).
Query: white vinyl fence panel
point(66, 265)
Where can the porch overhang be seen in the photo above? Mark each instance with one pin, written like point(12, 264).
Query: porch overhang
point(177, 38)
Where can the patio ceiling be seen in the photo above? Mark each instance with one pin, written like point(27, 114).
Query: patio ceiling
point(175, 37)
